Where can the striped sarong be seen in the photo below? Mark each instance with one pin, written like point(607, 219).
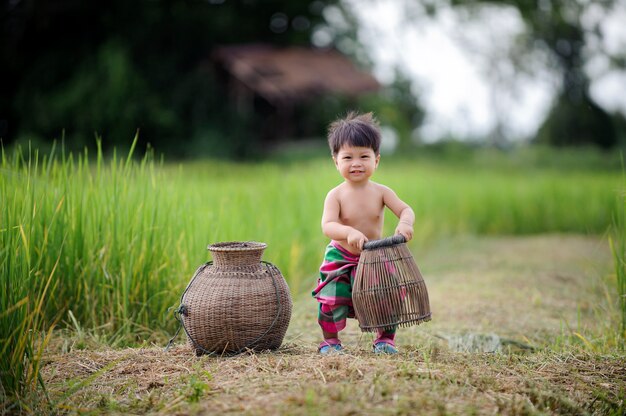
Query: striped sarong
point(334, 287)
point(334, 290)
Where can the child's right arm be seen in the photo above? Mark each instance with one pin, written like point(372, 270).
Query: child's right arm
point(334, 229)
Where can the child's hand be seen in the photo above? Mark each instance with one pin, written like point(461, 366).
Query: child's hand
point(406, 230)
point(356, 239)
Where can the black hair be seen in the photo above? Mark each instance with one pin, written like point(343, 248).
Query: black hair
point(357, 130)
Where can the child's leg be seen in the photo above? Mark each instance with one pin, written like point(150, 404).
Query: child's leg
point(330, 335)
point(388, 335)
point(335, 306)
point(332, 319)
point(385, 342)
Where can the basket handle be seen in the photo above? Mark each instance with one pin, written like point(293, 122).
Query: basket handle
point(384, 242)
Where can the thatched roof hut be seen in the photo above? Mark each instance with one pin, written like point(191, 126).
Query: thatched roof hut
point(285, 77)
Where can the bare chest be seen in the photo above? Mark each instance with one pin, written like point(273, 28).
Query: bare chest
point(361, 208)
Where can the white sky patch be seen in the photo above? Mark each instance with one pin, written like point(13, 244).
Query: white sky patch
point(604, 91)
point(614, 29)
point(609, 86)
point(456, 95)
point(464, 77)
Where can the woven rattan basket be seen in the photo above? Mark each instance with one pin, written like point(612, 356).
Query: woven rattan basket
point(388, 289)
point(237, 302)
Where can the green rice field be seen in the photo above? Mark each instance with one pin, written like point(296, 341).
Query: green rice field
point(107, 244)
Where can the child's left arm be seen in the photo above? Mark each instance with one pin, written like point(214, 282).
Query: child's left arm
point(402, 210)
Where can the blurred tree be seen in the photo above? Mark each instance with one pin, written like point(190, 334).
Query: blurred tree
point(578, 121)
point(565, 29)
point(398, 104)
point(113, 67)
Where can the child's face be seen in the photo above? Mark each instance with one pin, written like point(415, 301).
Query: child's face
point(356, 164)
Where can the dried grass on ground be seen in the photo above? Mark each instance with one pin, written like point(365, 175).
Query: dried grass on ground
point(535, 291)
point(297, 381)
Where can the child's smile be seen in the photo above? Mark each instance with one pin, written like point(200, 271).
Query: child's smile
point(356, 163)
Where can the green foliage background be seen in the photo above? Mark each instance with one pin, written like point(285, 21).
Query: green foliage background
point(81, 69)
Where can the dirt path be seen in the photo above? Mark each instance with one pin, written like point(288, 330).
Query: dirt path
point(524, 288)
point(532, 290)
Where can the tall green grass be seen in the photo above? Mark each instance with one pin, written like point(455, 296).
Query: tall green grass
point(28, 270)
point(115, 240)
point(617, 241)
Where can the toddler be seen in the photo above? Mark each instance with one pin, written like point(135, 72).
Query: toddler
point(353, 214)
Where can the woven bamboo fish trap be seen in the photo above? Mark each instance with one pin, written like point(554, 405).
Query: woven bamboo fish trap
point(388, 289)
point(235, 303)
